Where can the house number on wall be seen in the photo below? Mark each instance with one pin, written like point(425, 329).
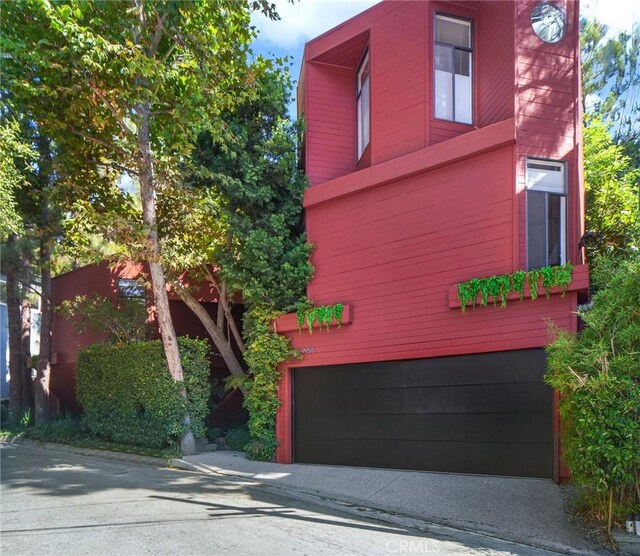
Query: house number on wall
point(307, 350)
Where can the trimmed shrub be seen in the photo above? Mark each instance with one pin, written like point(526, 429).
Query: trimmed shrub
point(129, 396)
point(597, 374)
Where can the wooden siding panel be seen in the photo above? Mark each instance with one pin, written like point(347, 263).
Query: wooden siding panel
point(392, 253)
point(398, 82)
point(331, 128)
point(495, 62)
point(549, 113)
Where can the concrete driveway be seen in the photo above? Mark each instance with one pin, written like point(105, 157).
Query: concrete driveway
point(529, 511)
point(55, 502)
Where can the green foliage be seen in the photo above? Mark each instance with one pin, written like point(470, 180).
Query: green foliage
point(14, 171)
point(238, 439)
point(74, 431)
point(96, 313)
point(597, 374)
point(325, 314)
point(612, 194)
point(129, 396)
point(611, 77)
point(533, 279)
point(518, 279)
point(265, 351)
point(499, 287)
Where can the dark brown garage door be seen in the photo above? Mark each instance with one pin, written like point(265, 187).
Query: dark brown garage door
point(485, 413)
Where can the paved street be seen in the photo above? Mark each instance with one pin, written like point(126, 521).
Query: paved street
point(59, 503)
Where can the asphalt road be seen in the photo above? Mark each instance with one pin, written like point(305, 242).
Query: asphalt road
point(59, 503)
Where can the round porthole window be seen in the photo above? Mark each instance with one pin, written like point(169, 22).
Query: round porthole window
point(548, 22)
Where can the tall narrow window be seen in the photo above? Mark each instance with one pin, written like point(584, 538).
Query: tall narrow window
point(546, 213)
point(362, 99)
point(453, 60)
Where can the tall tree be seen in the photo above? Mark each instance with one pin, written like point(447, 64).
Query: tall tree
point(611, 77)
point(240, 227)
point(612, 196)
point(127, 86)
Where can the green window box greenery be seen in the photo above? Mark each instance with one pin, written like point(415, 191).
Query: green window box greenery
point(499, 287)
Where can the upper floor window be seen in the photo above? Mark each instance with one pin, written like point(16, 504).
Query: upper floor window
point(546, 213)
point(453, 59)
point(362, 100)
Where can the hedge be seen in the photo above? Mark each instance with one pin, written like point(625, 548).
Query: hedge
point(129, 396)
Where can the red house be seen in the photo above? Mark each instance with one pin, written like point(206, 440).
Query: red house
point(443, 143)
point(118, 282)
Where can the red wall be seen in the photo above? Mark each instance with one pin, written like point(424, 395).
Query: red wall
point(401, 82)
point(102, 280)
point(436, 202)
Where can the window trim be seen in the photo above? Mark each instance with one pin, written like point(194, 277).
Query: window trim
point(361, 148)
point(434, 42)
point(564, 216)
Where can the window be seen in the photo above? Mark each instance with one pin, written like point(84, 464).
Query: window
point(453, 59)
point(362, 100)
point(546, 213)
point(132, 290)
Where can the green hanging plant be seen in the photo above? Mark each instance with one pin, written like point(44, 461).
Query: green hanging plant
point(484, 290)
point(310, 317)
point(547, 273)
point(532, 277)
point(464, 295)
point(300, 316)
point(493, 287)
point(504, 282)
point(325, 314)
point(563, 277)
point(499, 287)
point(518, 279)
point(337, 311)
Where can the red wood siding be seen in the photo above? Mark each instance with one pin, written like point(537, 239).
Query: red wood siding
point(392, 253)
point(495, 62)
point(398, 82)
point(331, 125)
point(548, 114)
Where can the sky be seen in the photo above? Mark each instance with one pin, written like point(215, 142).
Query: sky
point(306, 19)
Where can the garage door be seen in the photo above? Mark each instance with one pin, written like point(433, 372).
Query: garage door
point(484, 413)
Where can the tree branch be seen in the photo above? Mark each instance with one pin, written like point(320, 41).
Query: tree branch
point(101, 142)
point(222, 300)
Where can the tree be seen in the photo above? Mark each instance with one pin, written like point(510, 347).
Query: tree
point(597, 374)
point(610, 78)
point(242, 227)
point(126, 87)
point(611, 194)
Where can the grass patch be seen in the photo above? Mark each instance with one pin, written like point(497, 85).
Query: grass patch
point(74, 432)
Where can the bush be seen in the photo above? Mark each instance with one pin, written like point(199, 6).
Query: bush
point(238, 439)
point(129, 396)
point(597, 374)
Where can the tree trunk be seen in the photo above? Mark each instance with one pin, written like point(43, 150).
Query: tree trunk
point(44, 357)
point(13, 316)
point(215, 331)
point(158, 282)
point(26, 331)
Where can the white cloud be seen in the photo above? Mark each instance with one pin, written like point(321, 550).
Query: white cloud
point(305, 20)
point(618, 15)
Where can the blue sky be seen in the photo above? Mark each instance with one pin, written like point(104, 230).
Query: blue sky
point(306, 19)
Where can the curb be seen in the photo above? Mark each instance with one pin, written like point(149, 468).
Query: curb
point(363, 508)
point(105, 454)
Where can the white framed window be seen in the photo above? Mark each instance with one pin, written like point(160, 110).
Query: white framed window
point(453, 69)
point(363, 94)
point(546, 186)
